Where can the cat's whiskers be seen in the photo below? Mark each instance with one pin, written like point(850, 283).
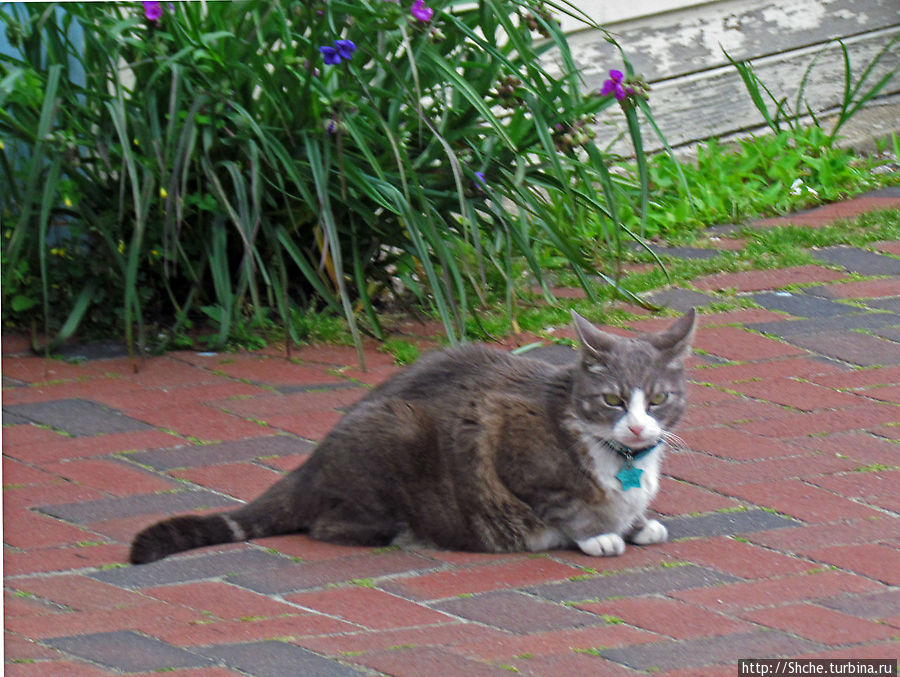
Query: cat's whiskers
point(674, 442)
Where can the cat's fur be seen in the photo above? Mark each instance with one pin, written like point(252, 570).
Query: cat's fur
point(473, 448)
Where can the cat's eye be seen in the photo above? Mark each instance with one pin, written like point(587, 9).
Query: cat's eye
point(612, 400)
point(658, 398)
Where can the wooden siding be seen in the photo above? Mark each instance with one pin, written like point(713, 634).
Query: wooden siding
point(697, 94)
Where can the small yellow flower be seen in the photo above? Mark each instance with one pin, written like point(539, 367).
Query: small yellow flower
point(67, 201)
point(57, 251)
point(121, 246)
point(163, 193)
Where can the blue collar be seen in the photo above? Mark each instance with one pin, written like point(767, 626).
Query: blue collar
point(628, 453)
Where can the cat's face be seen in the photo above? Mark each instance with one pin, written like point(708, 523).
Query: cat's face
point(631, 390)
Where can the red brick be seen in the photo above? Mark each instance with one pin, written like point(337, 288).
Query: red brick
point(878, 561)
point(46, 560)
point(61, 447)
point(569, 664)
point(295, 404)
point(760, 280)
point(31, 369)
point(80, 593)
point(865, 289)
point(735, 411)
point(310, 550)
point(796, 394)
point(527, 571)
point(669, 617)
point(863, 447)
point(415, 662)
point(99, 389)
point(276, 371)
point(163, 371)
point(191, 394)
point(737, 444)
point(806, 539)
point(679, 498)
point(739, 344)
point(808, 503)
point(143, 618)
point(65, 668)
point(734, 557)
point(368, 607)
point(202, 422)
point(29, 436)
point(25, 529)
point(245, 481)
point(860, 378)
point(114, 477)
point(18, 650)
point(221, 600)
point(877, 487)
point(796, 367)
point(17, 474)
point(733, 597)
point(888, 247)
point(443, 635)
point(554, 642)
point(884, 394)
point(878, 650)
point(814, 423)
point(819, 624)
point(313, 426)
point(292, 626)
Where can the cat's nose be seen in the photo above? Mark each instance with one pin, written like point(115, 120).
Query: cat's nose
point(636, 429)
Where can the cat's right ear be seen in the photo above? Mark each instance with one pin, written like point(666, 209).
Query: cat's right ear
point(595, 344)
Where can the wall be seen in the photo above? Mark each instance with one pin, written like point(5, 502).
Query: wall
point(696, 93)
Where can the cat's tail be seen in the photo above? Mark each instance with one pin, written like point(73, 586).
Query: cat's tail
point(184, 533)
point(280, 510)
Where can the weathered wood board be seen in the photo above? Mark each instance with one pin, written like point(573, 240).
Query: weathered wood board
point(697, 94)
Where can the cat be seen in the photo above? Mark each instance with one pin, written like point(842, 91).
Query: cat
point(473, 448)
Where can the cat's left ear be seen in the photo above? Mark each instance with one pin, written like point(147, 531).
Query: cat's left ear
point(675, 342)
point(595, 344)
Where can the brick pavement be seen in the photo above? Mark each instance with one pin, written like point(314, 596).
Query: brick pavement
point(782, 511)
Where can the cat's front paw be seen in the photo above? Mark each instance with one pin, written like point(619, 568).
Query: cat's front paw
point(652, 532)
point(604, 545)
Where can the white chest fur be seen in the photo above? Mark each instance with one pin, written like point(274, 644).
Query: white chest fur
point(626, 505)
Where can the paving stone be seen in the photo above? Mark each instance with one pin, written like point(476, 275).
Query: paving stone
point(859, 289)
point(128, 651)
point(418, 661)
point(276, 659)
point(819, 624)
point(710, 650)
point(760, 280)
point(222, 452)
point(12, 418)
point(891, 304)
point(726, 524)
point(88, 512)
point(853, 347)
point(369, 608)
point(630, 584)
point(845, 322)
point(859, 260)
point(294, 577)
point(875, 605)
point(517, 612)
point(802, 305)
point(77, 417)
point(94, 350)
point(190, 567)
point(677, 298)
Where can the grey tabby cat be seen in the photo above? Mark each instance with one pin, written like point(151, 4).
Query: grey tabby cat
point(476, 449)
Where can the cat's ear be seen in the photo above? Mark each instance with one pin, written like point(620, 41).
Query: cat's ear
point(595, 344)
point(675, 341)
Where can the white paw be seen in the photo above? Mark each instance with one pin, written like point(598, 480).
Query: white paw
point(653, 532)
point(604, 545)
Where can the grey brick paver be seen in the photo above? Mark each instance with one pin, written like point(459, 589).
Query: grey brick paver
point(532, 627)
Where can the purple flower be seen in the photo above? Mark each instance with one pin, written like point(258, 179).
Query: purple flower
point(330, 54)
point(421, 11)
point(153, 10)
point(614, 85)
point(481, 183)
point(345, 48)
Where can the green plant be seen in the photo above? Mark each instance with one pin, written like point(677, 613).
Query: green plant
point(246, 162)
point(853, 97)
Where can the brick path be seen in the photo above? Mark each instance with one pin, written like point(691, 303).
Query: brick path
point(782, 513)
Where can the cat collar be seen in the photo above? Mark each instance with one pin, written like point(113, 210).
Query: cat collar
point(629, 476)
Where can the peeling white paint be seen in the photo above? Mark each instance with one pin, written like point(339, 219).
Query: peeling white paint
point(801, 14)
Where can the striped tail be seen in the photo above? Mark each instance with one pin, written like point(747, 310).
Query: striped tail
point(184, 533)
